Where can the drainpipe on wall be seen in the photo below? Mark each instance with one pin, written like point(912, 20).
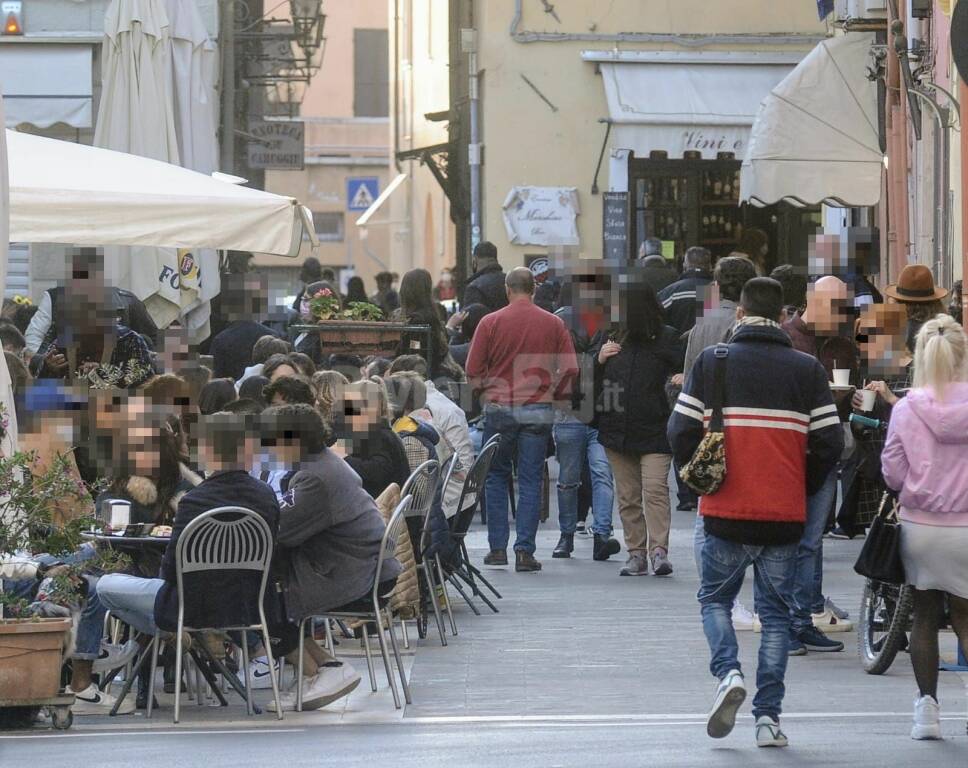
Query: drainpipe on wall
point(897, 140)
point(963, 100)
point(468, 40)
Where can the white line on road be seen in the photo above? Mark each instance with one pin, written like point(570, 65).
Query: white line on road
point(504, 721)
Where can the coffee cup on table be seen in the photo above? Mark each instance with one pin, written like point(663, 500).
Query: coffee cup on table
point(119, 514)
point(868, 398)
point(841, 377)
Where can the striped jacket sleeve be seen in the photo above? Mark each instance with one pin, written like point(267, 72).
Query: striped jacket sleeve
point(825, 439)
point(685, 428)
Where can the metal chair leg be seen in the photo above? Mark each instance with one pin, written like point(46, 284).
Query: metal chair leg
point(248, 677)
point(443, 586)
point(425, 568)
point(396, 655)
point(300, 665)
point(453, 580)
point(369, 656)
point(178, 672)
point(406, 635)
point(154, 647)
point(330, 643)
point(386, 656)
point(272, 672)
point(479, 576)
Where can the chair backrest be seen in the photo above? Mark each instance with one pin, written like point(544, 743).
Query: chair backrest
point(388, 545)
point(422, 484)
point(473, 484)
point(224, 539)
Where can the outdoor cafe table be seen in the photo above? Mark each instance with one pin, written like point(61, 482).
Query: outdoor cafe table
point(133, 545)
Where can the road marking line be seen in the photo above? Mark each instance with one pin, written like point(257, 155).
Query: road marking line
point(503, 721)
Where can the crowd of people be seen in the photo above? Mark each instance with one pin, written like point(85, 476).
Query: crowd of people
point(614, 370)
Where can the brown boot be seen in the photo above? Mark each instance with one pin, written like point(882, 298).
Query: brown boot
point(525, 562)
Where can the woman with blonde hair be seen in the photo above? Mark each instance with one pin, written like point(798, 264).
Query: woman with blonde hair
point(361, 418)
point(328, 386)
point(924, 461)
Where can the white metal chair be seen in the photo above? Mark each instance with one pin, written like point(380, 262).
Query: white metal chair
point(423, 484)
point(380, 616)
point(223, 539)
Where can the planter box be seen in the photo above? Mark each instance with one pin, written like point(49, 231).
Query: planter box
point(360, 337)
point(31, 653)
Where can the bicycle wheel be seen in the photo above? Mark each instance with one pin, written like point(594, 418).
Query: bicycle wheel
point(885, 619)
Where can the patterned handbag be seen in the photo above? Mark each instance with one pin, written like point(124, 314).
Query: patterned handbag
point(706, 470)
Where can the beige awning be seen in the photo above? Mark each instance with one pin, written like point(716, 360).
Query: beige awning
point(815, 137)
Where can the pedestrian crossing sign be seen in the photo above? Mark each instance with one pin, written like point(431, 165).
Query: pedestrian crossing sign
point(361, 191)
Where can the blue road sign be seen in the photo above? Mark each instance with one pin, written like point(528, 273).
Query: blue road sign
point(361, 191)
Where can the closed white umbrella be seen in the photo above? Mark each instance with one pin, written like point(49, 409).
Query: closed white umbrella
point(136, 115)
point(192, 78)
point(9, 442)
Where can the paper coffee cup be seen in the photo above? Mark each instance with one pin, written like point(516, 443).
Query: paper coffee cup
point(842, 377)
point(869, 398)
point(120, 514)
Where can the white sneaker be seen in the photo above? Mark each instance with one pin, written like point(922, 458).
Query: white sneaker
point(743, 618)
point(828, 622)
point(332, 682)
point(729, 697)
point(927, 719)
point(115, 656)
point(259, 671)
point(92, 701)
point(768, 733)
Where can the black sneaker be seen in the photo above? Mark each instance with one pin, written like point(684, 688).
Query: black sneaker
point(816, 641)
point(524, 562)
point(496, 557)
point(566, 545)
point(605, 547)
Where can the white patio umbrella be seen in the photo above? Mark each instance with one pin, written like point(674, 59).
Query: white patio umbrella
point(62, 192)
point(136, 115)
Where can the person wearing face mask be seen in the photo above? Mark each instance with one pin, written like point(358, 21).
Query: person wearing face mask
point(365, 439)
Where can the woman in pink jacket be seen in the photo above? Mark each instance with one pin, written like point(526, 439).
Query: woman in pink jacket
point(925, 459)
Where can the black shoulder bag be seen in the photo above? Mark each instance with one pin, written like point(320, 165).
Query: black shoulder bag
point(880, 557)
point(706, 470)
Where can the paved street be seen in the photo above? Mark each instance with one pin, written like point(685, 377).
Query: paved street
point(580, 667)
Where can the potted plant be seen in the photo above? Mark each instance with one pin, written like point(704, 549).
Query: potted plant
point(31, 522)
point(358, 328)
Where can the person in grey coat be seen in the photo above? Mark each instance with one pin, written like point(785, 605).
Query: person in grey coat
point(330, 532)
point(730, 275)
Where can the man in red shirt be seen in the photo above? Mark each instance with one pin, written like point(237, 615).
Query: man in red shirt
point(521, 361)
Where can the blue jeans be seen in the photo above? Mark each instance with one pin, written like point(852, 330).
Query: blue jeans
point(808, 583)
point(724, 565)
point(131, 599)
point(574, 444)
point(525, 428)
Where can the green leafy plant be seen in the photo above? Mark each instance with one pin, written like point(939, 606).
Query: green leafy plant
point(32, 499)
point(363, 310)
point(324, 305)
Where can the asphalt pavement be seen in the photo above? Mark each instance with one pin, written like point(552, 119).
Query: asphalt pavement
point(580, 667)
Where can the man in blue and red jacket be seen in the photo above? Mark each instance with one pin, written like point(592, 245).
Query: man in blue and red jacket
point(783, 437)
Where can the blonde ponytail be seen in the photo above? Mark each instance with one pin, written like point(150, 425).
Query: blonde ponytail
point(940, 354)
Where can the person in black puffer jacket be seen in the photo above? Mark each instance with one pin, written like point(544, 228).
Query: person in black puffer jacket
point(486, 285)
point(633, 412)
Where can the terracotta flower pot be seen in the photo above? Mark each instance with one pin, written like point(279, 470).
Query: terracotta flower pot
point(358, 336)
point(31, 653)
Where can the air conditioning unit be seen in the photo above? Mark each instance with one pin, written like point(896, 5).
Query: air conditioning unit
point(861, 9)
